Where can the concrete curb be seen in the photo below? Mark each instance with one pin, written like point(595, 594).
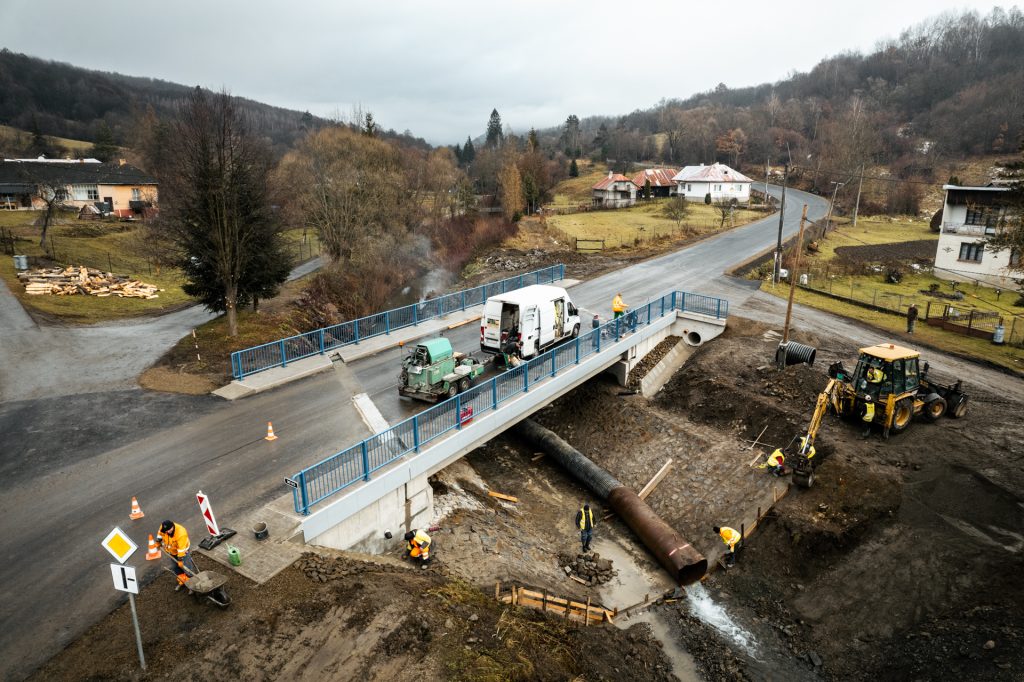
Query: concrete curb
point(278, 376)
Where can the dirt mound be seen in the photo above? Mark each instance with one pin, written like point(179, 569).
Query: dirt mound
point(922, 250)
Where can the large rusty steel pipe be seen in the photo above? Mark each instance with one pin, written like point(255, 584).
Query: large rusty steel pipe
point(675, 554)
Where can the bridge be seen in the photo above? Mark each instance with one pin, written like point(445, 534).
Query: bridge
point(350, 498)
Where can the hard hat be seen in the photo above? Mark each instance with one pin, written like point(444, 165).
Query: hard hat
point(867, 398)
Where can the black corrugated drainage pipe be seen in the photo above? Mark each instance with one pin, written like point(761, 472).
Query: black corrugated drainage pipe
point(675, 554)
point(795, 353)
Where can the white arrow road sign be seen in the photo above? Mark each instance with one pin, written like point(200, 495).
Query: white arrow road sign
point(124, 578)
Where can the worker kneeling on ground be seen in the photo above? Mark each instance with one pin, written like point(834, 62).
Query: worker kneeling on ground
point(418, 546)
point(730, 536)
point(174, 540)
point(776, 462)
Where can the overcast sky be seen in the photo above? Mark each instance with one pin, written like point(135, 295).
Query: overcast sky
point(437, 68)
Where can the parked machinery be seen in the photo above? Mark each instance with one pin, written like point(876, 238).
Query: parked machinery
point(432, 371)
point(898, 386)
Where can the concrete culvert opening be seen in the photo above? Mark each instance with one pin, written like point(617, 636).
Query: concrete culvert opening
point(693, 338)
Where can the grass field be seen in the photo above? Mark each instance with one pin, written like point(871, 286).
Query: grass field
point(73, 145)
point(873, 287)
point(106, 246)
point(637, 224)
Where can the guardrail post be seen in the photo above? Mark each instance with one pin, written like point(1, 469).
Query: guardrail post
point(617, 327)
point(494, 393)
point(553, 363)
point(387, 323)
point(673, 300)
point(366, 462)
point(321, 335)
point(284, 359)
point(356, 325)
point(662, 307)
point(458, 412)
point(503, 285)
point(577, 350)
point(303, 494)
point(718, 312)
point(415, 314)
point(463, 300)
point(561, 271)
point(526, 377)
point(600, 331)
point(416, 433)
point(648, 313)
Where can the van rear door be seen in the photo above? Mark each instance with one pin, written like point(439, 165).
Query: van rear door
point(490, 325)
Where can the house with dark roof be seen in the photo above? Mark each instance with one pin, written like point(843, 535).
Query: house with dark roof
point(659, 179)
point(614, 191)
point(718, 180)
point(118, 188)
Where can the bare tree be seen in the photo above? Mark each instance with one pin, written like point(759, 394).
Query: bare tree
point(725, 208)
point(676, 209)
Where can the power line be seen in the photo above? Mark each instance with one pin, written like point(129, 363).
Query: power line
point(862, 176)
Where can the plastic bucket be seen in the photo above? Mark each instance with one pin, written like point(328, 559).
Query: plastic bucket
point(21, 262)
point(261, 531)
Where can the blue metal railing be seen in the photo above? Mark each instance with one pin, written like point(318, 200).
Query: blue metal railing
point(280, 353)
point(332, 475)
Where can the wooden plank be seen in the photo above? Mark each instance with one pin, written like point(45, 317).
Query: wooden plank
point(497, 589)
point(502, 496)
point(537, 456)
point(754, 444)
point(579, 580)
point(653, 483)
point(587, 621)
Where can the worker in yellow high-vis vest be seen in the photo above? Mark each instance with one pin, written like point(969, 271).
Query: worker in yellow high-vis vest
point(730, 536)
point(585, 522)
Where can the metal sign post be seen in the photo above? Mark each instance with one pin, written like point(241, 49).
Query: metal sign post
point(138, 633)
point(121, 547)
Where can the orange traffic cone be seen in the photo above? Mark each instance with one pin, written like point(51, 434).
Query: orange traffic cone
point(153, 552)
point(136, 510)
point(270, 432)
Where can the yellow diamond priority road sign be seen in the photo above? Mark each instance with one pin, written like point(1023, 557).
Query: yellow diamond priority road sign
point(119, 545)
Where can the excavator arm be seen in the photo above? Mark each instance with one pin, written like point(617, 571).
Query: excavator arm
point(803, 470)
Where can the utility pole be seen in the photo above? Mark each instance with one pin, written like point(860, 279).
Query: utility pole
point(782, 216)
point(793, 276)
point(856, 206)
point(828, 221)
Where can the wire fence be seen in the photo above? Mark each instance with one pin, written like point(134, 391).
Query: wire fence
point(357, 463)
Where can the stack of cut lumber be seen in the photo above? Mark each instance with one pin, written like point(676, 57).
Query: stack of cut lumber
point(74, 280)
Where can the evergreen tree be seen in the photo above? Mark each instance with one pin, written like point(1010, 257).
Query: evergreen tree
point(495, 134)
point(39, 145)
point(468, 151)
point(457, 150)
point(532, 142)
point(574, 169)
point(571, 136)
point(369, 127)
point(104, 148)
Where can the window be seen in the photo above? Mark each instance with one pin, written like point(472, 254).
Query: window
point(971, 251)
point(738, 188)
point(716, 188)
point(985, 216)
point(689, 188)
point(85, 192)
point(136, 194)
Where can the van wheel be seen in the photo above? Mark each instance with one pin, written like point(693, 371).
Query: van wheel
point(536, 348)
point(575, 331)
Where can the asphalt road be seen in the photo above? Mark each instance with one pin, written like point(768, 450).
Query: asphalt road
point(74, 463)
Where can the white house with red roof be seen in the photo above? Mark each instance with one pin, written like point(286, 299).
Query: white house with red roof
point(718, 180)
point(614, 191)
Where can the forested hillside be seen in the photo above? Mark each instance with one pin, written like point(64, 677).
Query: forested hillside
point(948, 88)
point(56, 99)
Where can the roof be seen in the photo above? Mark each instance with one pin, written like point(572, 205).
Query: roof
point(659, 177)
point(72, 172)
point(989, 195)
point(987, 188)
point(607, 182)
point(716, 172)
point(530, 294)
point(889, 351)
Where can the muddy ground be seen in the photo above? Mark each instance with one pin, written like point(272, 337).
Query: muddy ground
point(901, 563)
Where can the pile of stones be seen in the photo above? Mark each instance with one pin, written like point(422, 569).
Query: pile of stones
point(590, 568)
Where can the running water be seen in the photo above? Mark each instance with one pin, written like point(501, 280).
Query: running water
point(705, 609)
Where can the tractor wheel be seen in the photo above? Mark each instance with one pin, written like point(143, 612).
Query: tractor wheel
point(575, 331)
point(452, 390)
point(959, 409)
point(804, 479)
point(903, 412)
point(934, 409)
point(463, 384)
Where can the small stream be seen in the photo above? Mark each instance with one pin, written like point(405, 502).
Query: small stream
point(714, 614)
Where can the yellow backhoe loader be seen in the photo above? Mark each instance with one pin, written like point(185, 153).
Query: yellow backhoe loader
point(889, 377)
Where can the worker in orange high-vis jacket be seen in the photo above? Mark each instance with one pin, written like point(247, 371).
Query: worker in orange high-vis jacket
point(418, 546)
point(730, 536)
point(173, 539)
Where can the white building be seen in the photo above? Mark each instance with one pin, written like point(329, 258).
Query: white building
point(969, 215)
point(718, 180)
point(614, 191)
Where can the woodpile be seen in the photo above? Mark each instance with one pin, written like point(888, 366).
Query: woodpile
point(74, 280)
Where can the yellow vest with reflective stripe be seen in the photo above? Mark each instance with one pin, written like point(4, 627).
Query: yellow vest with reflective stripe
point(584, 514)
point(730, 536)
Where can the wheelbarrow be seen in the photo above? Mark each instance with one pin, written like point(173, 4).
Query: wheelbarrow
point(209, 584)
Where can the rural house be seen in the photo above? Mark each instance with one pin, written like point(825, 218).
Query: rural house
point(614, 191)
point(660, 179)
point(117, 188)
point(970, 214)
point(718, 180)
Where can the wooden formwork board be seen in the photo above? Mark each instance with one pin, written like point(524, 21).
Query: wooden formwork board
point(580, 612)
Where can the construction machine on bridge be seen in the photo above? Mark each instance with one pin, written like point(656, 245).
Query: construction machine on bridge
point(891, 378)
point(432, 371)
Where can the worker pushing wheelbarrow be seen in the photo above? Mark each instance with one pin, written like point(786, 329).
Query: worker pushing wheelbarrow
point(175, 544)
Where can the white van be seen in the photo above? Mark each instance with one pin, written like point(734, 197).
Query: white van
point(534, 318)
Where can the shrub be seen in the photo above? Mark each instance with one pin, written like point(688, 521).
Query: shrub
point(707, 198)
